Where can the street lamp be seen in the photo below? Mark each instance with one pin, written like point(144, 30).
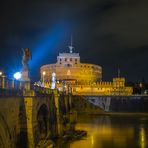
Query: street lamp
point(17, 75)
point(43, 73)
point(1, 73)
point(1, 79)
point(53, 83)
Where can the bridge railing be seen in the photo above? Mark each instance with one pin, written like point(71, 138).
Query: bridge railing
point(11, 86)
point(41, 90)
point(7, 83)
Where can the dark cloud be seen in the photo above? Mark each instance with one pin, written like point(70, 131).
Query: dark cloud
point(129, 22)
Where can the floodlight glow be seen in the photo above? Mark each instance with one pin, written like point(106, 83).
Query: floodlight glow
point(17, 75)
point(47, 42)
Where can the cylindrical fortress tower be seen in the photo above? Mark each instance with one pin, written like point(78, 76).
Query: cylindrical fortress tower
point(69, 67)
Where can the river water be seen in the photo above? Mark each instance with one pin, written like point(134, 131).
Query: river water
point(111, 131)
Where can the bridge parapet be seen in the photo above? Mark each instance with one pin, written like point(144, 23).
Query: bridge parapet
point(10, 92)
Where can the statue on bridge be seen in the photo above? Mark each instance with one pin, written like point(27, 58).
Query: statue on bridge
point(26, 56)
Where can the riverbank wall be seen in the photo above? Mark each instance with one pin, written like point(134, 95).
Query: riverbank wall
point(111, 104)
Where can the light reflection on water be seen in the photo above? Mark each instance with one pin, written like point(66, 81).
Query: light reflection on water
point(112, 132)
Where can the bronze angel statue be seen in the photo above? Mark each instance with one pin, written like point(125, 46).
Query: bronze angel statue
point(26, 56)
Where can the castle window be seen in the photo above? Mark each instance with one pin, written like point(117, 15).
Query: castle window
point(70, 59)
point(60, 63)
point(60, 59)
point(65, 59)
point(68, 65)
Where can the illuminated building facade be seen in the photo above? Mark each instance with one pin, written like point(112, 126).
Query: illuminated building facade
point(116, 87)
point(69, 68)
point(81, 77)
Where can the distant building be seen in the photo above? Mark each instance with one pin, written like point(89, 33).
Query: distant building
point(116, 87)
point(83, 78)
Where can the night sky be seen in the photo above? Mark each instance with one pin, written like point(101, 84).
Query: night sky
point(110, 33)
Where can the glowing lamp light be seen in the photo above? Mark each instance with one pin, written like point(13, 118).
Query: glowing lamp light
point(44, 73)
point(1, 73)
point(17, 75)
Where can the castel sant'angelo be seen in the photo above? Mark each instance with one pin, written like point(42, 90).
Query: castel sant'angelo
point(83, 78)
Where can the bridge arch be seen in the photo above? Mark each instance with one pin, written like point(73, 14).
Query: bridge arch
point(43, 121)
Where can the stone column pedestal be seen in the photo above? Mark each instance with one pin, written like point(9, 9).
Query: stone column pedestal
point(3, 81)
point(25, 79)
point(59, 125)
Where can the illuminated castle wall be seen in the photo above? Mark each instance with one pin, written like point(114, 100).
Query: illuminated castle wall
point(116, 87)
point(69, 67)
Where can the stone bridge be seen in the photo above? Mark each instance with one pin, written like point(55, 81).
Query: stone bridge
point(26, 117)
point(30, 116)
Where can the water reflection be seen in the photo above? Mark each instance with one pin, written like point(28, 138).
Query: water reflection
point(142, 137)
point(112, 132)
